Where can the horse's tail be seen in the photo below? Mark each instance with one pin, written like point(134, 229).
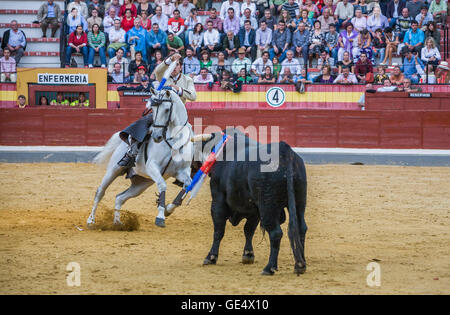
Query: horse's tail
point(110, 146)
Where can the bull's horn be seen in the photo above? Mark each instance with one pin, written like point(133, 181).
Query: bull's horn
point(202, 137)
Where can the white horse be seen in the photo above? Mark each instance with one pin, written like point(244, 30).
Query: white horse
point(168, 153)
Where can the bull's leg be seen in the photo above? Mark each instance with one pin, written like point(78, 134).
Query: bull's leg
point(218, 213)
point(275, 235)
point(248, 257)
point(110, 176)
point(138, 186)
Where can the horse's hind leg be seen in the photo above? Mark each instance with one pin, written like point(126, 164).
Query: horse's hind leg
point(137, 187)
point(109, 177)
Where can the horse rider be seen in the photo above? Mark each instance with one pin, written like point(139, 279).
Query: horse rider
point(180, 83)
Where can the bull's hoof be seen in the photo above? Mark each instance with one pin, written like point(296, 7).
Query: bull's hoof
point(248, 258)
point(210, 260)
point(160, 222)
point(269, 271)
point(299, 269)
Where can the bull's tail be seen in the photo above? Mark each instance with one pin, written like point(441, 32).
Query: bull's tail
point(109, 148)
point(294, 229)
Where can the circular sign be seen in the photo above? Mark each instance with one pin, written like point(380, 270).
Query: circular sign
point(275, 96)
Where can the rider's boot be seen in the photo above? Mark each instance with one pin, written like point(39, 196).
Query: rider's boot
point(129, 158)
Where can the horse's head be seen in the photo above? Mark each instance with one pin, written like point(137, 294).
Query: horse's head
point(162, 104)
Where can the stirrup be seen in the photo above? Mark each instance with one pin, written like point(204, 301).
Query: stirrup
point(128, 161)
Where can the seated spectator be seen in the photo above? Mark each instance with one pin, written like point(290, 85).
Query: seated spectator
point(326, 76)
point(359, 21)
point(428, 76)
point(230, 44)
point(379, 45)
point(364, 69)
point(391, 45)
point(431, 31)
point(205, 60)
point(438, 8)
point(157, 40)
point(167, 8)
point(127, 21)
point(211, 38)
point(329, 5)
point(241, 62)
point(78, 42)
point(81, 8)
point(217, 22)
point(343, 13)
point(430, 54)
point(137, 39)
point(226, 81)
point(146, 23)
point(247, 39)
point(176, 25)
point(300, 41)
point(140, 75)
point(397, 76)
point(135, 64)
point(156, 60)
point(185, 8)
point(43, 101)
point(94, 19)
point(414, 38)
point(108, 21)
point(145, 6)
point(443, 73)
point(244, 76)
point(96, 5)
point(80, 101)
point(302, 19)
point(248, 17)
point(269, 19)
point(302, 77)
point(407, 87)
point(60, 100)
point(348, 42)
point(161, 19)
point(414, 7)
point(127, 5)
point(122, 61)
point(190, 22)
point(316, 42)
point(174, 44)
point(345, 62)
point(117, 73)
point(281, 40)
point(8, 67)
point(116, 39)
point(380, 76)
point(221, 64)
point(394, 10)
point(387, 86)
point(325, 20)
point(263, 39)
point(113, 4)
point(376, 20)
point(22, 101)
point(96, 44)
point(364, 45)
point(266, 77)
point(276, 67)
point(191, 65)
point(231, 22)
point(74, 19)
point(403, 23)
point(286, 77)
point(291, 63)
point(324, 60)
point(411, 66)
point(229, 4)
point(49, 13)
point(248, 4)
point(204, 77)
point(346, 77)
point(259, 65)
point(424, 17)
point(144, 85)
point(313, 11)
point(15, 40)
point(332, 43)
point(363, 7)
point(195, 40)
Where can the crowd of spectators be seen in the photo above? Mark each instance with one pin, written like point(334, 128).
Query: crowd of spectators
point(252, 41)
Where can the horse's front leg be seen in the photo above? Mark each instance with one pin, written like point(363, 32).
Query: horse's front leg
point(154, 173)
point(185, 177)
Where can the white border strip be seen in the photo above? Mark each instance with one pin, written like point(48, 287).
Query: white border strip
point(297, 150)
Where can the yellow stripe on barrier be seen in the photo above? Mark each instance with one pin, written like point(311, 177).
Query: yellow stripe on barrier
point(8, 96)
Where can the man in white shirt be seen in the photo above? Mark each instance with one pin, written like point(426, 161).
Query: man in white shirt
point(204, 77)
point(260, 64)
point(229, 4)
point(211, 37)
point(185, 8)
point(108, 21)
point(161, 19)
point(346, 77)
point(247, 16)
point(344, 12)
point(80, 6)
point(241, 62)
point(291, 63)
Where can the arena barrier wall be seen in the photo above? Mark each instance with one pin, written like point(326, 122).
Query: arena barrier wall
point(299, 128)
point(409, 101)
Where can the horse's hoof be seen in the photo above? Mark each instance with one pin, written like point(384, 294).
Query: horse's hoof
point(169, 209)
point(160, 222)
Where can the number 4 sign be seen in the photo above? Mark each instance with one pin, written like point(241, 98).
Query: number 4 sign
point(275, 96)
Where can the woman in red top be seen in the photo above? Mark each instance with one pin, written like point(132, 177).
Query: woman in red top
point(77, 42)
point(128, 4)
point(145, 21)
point(128, 21)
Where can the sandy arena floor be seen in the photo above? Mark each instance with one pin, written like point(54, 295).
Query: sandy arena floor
point(397, 216)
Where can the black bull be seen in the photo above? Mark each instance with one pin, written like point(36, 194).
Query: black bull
point(239, 190)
